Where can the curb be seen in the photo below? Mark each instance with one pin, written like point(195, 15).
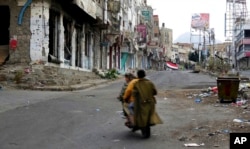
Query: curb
point(67, 88)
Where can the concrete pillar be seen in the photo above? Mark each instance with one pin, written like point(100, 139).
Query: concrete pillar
point(96, 50)
point(73, 45)
point(39, 27)
point(139, 56)
point(61, 45)
point(83, 47)
point(105, 57)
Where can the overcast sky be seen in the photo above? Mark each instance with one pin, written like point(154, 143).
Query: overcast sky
point(176, 14)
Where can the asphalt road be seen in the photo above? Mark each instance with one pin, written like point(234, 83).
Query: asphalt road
point(91, 119)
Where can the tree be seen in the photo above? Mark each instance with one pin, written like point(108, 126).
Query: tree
point(203, 57)
point(193, 56)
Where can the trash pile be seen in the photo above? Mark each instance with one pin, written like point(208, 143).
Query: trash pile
point(213, 92)
point(205, 93)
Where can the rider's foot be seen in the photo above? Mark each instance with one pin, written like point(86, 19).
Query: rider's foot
point(135, 128)
point(128, 124)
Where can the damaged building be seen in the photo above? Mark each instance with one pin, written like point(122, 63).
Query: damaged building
point(74, 34)
point(52, 31)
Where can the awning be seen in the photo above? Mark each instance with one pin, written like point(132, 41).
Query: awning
point(142, 46)
point(172, 65)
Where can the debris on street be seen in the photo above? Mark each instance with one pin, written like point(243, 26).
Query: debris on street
point(198, 100)
point(116, 140)
point(193, 144)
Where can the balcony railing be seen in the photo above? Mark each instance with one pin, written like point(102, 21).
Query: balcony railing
point(241, 54)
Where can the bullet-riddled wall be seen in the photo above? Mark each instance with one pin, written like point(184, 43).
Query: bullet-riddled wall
point(18, 29)
point(39, 29)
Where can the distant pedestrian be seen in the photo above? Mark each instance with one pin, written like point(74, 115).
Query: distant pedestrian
point(233, 69)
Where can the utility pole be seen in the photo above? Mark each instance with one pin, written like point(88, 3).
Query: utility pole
point(209, 41)
point(204, 45)
point(212, 37)
point(199, 46)
point(233, 37)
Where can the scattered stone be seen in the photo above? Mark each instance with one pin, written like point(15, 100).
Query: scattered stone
point(183, 138)
point(244, 107)
point(238, 120)
point(211, 134)
point(116, 140)
point(193, 144)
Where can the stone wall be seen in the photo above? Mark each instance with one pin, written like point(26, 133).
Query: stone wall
point(40, 75)
point(22, 32)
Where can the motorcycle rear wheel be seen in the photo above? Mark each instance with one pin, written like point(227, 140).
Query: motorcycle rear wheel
point(146, 132)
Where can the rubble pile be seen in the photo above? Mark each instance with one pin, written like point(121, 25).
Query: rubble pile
point(29, 76)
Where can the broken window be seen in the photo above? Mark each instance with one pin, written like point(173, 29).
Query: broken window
point(4, 33)
point(87, 43)
point(4, 25)
point(54, 19)
point(78, 61)
point(87, 49)
point(68, 30)
point(247, 33)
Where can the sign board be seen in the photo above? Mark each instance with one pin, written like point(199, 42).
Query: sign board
point(142, 30)
point(146, 15)
point(200, 21)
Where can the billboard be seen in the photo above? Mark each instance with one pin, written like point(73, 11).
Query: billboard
point(200, 21)
point(142, 30)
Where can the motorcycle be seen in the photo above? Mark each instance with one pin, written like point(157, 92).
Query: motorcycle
point(145, 131)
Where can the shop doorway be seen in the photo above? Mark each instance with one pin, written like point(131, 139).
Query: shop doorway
point(4, 33)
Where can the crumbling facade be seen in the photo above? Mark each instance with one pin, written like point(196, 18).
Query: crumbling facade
point(78, 34)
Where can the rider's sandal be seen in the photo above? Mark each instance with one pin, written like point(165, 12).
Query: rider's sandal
point(128, 124)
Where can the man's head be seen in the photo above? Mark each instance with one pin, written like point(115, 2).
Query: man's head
point(129, 77)
point(141, 73)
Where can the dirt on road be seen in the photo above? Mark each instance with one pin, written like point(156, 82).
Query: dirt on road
point(202, 118)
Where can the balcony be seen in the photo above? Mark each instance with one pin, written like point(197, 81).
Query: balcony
point(244, 53)
point(89, 6)
point(99, 17)
point(246, 41)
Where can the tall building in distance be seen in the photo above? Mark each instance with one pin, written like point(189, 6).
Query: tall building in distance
point(236, 33)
